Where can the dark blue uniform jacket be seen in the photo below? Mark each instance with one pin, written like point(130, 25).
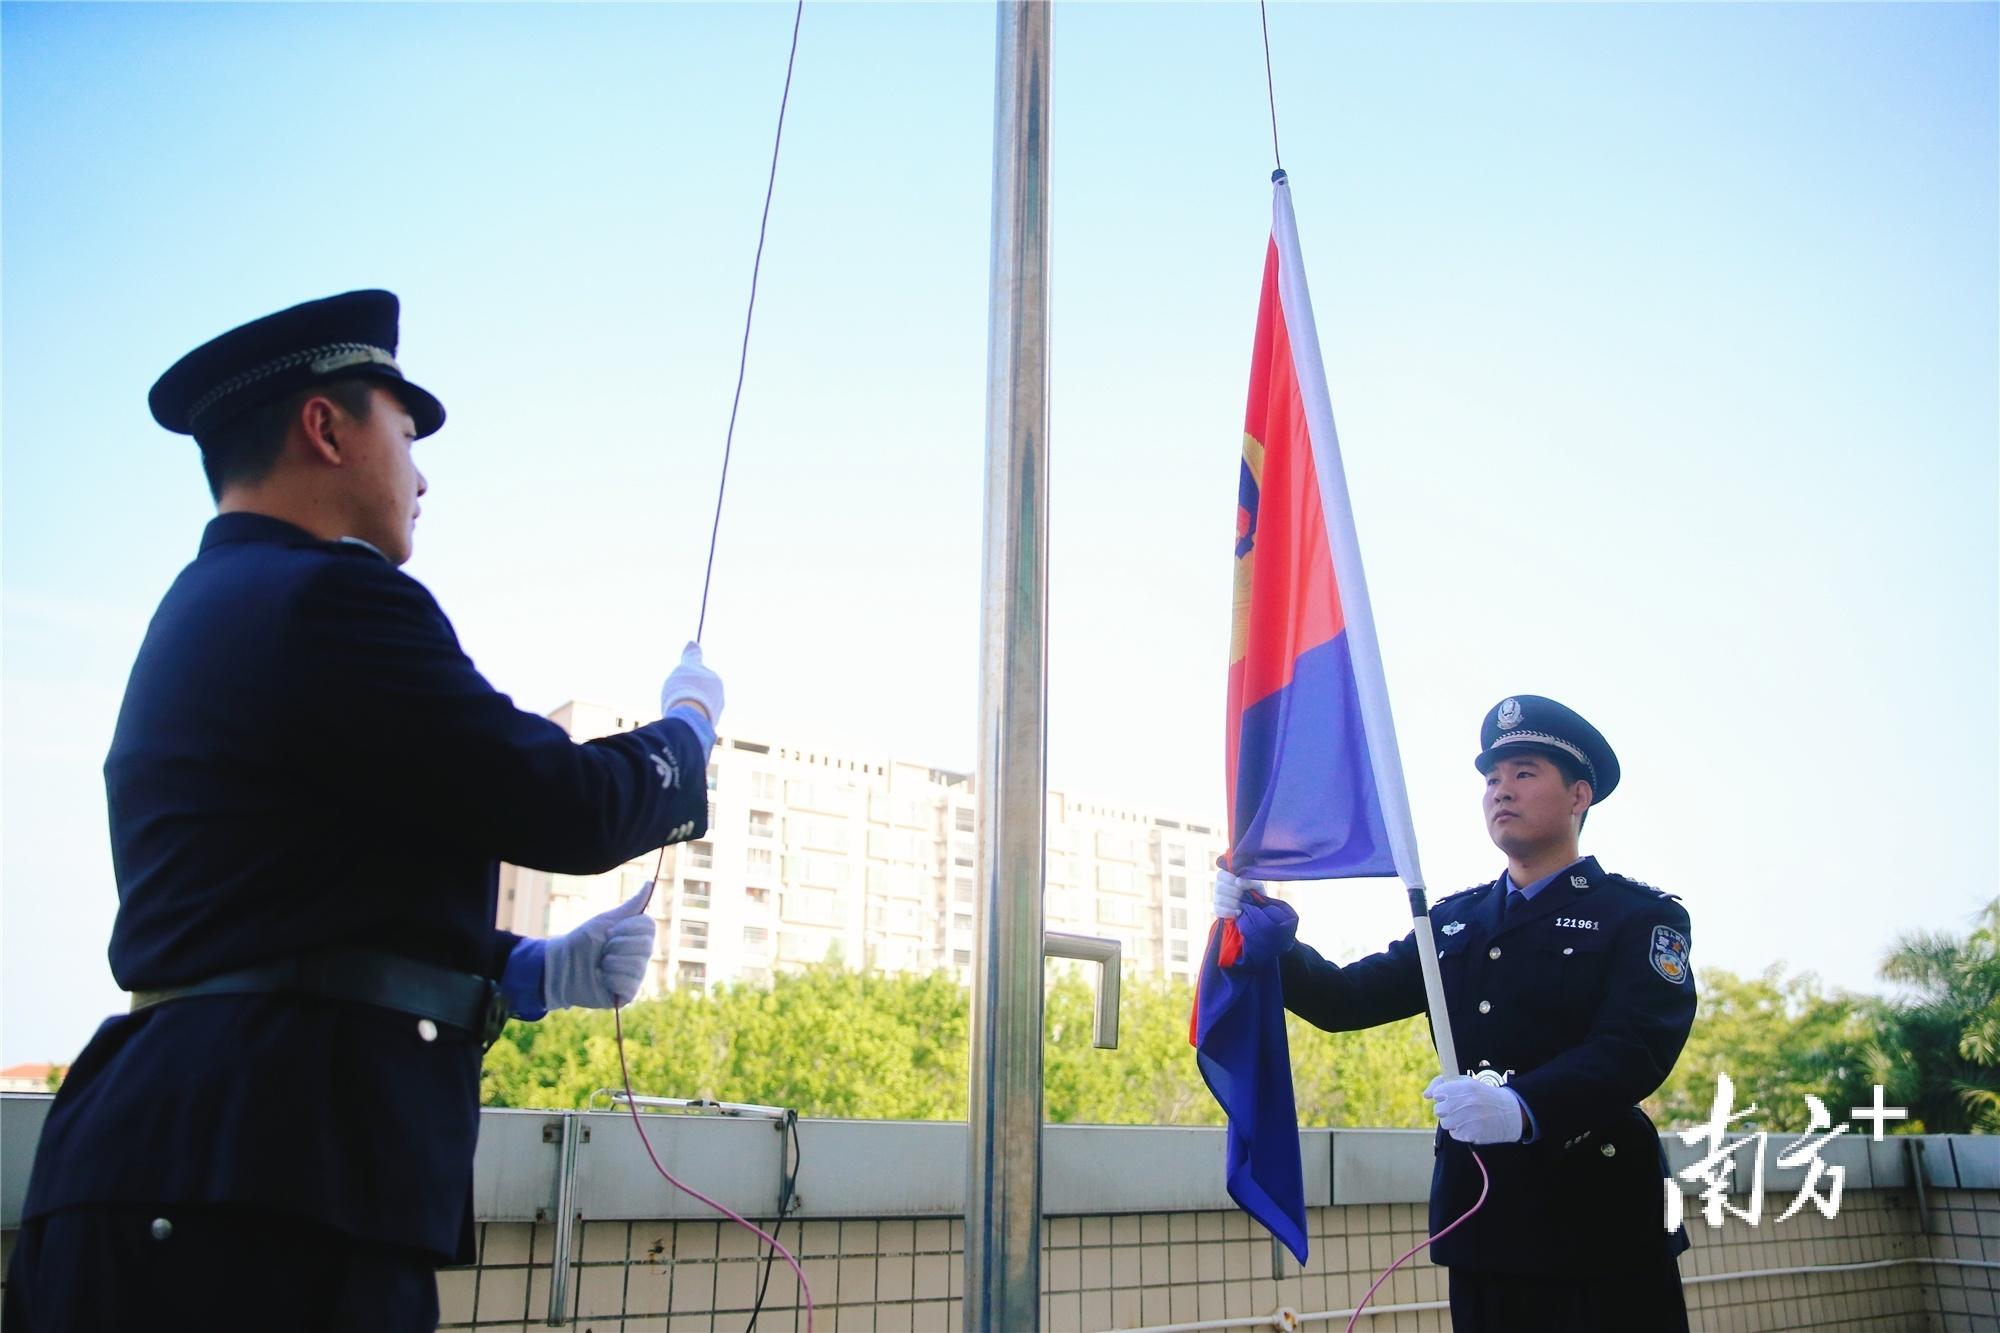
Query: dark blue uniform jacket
point(1584, 993)
point(306, 759)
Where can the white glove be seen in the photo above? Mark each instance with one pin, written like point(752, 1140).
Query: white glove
point(693, 683)
point(600, 964)
point(1229, 892)
point(1473, 1111)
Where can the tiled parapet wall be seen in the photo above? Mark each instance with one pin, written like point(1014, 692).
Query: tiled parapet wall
point(1140, 1232)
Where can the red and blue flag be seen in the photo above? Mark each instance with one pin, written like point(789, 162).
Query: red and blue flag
point(1315, 789)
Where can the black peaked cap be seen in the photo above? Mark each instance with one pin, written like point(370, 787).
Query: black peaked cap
point(350, 336)
point(1530, 722)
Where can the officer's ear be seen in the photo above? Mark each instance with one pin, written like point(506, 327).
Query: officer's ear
point(318, 420)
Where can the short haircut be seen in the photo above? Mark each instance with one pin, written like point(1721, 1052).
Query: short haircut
point(1572, 773)
point(247, 449)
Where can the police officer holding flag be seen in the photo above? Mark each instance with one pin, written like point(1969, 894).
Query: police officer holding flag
point(310, 790)
point(1570, 994)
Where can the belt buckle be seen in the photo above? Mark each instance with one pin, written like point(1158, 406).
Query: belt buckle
point(497, 1014)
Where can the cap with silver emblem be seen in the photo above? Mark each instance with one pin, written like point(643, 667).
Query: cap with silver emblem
point(349, 336)
point(1530, 722)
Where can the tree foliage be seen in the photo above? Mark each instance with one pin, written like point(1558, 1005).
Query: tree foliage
point(1778, 1039)
point(830, 1042)
point(1938, 1052)
point(833, 1042)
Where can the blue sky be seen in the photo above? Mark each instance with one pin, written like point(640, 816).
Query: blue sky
point(1662, 341)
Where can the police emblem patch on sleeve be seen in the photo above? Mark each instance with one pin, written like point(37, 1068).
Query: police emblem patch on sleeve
point(1670, 954)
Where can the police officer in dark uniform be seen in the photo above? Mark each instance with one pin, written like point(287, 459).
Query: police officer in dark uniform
point(310, 791)
point(1570, 995)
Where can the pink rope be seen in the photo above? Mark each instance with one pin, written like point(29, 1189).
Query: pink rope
point(618, 1025)
point(1485, 1183)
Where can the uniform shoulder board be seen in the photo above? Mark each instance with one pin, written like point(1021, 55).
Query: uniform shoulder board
point(1642, 886)
point(1454, 897)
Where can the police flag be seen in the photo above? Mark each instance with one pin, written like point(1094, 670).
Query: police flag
point(1315, 786)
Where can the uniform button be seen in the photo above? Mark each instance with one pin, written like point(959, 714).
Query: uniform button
point(1493, 952)
point(1486, 1006)
point(1609, 1150)
point(427, 1029)
point(162, 1228)
point(1569, 951)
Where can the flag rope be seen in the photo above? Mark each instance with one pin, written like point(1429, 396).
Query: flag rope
point(1270, 88)
point(1485, 1184)
point(743, 356)
point(701, 623)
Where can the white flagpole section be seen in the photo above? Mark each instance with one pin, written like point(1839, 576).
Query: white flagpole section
point(1376, 722)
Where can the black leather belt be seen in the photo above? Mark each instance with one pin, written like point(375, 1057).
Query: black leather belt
point(470, 1005)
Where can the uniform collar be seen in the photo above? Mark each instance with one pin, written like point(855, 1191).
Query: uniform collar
point(1534, 887)
point(244, 526)
point(1571, 883)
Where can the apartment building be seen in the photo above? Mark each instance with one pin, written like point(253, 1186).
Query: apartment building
point(812, 856)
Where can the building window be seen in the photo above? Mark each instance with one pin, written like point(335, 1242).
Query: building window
point(694, 934)
point(694, 976)
point(961, 819)
point(961, 957)
point(1113, 847)
point(1176, 854)
point(830, 834)
point(961, 921)
point(1115, 911)
point(756, 937)
point(763, 786)
point(961, 888)
point(694, 893)
point(714, 776)
point(831, 871)
point(813, 907)
point(760, 861)
point(757, 893)
point(1177, 918)
point(1177, 886)
point(763, 824)
point(1177, 950)
point(701, 855)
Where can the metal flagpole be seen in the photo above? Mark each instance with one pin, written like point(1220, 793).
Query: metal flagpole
point(1003, 1205)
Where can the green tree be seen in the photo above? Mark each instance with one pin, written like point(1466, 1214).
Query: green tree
point(836, 1043)
point(1779, 1039)
point(1939, 1052)
point(1374, 1077)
